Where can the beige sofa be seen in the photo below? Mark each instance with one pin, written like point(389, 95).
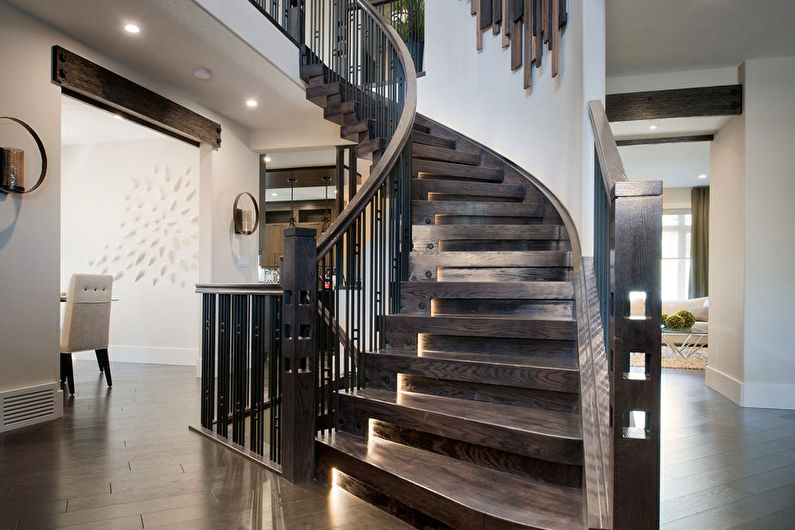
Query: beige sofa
point(698, 306)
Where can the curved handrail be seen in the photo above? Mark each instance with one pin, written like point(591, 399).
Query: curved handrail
point(389, 159)
point(606, 148)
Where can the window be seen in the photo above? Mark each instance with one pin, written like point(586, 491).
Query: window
point(676, 254)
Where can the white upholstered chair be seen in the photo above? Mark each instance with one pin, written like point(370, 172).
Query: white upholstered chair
point(86, 324)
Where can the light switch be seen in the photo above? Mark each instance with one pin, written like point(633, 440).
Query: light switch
point(242, 261)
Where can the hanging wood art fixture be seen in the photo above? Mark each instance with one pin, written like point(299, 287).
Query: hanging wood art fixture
point(527, 27)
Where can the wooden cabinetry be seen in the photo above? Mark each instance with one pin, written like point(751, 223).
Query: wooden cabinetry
point(274, 242)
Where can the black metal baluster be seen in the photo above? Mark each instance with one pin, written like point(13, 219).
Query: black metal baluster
point(208, 361)
point(224, 343)
point(239, 366)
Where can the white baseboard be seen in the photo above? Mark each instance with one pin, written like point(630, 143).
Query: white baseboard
point(768, 396)
point(723, 383)
point(147, 354)
point(745, 394)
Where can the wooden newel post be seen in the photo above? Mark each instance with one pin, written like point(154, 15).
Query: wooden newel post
point(299, 315)
point(635, 397)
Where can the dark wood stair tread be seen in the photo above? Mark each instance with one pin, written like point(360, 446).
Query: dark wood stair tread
point(429, 139)
point(422, 209)
point(464, 171)
point(555, 374)
point(524, 361)
point(319, 93)
point(420, 151)
point(504, 499)
point(421, 187)
point(537, 421)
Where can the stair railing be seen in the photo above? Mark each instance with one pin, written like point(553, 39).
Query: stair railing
point(241, 391)
point(337, 292)
point(627, 261)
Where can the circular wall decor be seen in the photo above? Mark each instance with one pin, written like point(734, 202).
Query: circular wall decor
point(242, 218)
point(20, 190)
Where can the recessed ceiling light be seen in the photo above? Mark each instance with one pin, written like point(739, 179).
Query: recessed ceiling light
point(702, 176)
point(117, 116)
point(266, 158)
point(202, 73)
point(275, 194)
point(652, 127)
point(251, 103)
point(132, 28)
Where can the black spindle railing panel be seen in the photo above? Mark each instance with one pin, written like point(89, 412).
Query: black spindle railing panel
point(241, 384)
point(359, 284)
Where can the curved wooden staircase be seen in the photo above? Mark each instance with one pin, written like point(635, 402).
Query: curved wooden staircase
point(470, 416)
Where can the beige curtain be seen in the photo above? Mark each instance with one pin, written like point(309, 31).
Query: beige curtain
point(699, 242)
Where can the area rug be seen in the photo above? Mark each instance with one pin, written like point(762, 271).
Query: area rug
point(670, 359)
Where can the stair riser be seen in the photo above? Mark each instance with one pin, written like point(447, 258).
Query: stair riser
point(508, 308)
point(453, 245)
point(502, 274)
point(562, 474)
point(412, 292)
point(421, 209)
point(382, 370)
point(433, 233)
point(405, 325)
point(560, 350)
point(355, 413)
point(420, 189)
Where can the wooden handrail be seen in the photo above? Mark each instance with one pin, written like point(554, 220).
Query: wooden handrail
point(383, 168)
point(606, 148)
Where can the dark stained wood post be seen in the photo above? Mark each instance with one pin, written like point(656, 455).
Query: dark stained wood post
point(637, 225)
point(299, 314)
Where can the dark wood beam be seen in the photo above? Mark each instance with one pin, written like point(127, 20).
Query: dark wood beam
point(678, 103)
point(667, 140)
point(77, 75)
point(307, 176)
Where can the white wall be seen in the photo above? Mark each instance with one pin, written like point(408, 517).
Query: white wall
point(769, 363)
point(726, 259)
point(544, 130)
point(226, 256)
point(140, 224)
point(676, 198)
point(758, 366)
point(29, 225)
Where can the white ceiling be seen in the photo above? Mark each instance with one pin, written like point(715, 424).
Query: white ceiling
point(176, 37)
point(677, 165)
point(668, 127)
point(85, 124)
point(666, 35)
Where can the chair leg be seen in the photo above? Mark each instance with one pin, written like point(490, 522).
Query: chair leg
point(99, 362)
point(67, 371)
point(63, 370)
point(104, 361)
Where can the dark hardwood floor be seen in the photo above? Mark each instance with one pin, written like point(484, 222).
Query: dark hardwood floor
point(724, 466)
point(123, 458)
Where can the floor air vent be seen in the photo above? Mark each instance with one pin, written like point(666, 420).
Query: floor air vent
point(27, 406)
